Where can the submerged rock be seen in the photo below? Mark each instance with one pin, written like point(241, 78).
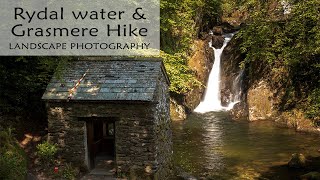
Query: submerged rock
point(186, 176)
point(311, 176)
point(297, 161)
point(182, 175)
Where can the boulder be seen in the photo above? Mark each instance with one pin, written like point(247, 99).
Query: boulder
point(260, 103)
point(297, 161)
point(239, 111)
point(217, 41)
point(217, 30)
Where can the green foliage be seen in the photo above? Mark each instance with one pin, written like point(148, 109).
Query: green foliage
point(68, 172)
point(13, 163)
point(181, 22)
point(228, 8)
point(291, 39)
point(23, 81)
point(313, 108)
point(181, 76)
point(289, 43)
point(177, 24)
point(46, 152)
point(212, 12)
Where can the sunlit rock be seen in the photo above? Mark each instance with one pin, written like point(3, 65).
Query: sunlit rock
point(177, 111)
point(260, 102)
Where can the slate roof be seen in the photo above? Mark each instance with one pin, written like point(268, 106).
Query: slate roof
point(110, 80)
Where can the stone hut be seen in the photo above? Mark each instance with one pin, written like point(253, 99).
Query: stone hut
point(114, 109)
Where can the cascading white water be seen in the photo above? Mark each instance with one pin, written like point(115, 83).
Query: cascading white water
point(212, 100)
point(237, 90)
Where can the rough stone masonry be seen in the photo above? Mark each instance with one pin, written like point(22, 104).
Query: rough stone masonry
point(133, 93)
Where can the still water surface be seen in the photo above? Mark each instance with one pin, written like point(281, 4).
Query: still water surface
point(213, 145)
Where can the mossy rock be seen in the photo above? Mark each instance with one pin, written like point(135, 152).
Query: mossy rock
point(297, 161)
point(311, 176)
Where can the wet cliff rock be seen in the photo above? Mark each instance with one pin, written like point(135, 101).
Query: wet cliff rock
point(233, 78)
point(230, 69)
point(201, 62)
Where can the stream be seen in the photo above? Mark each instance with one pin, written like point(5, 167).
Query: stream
point(213, 145)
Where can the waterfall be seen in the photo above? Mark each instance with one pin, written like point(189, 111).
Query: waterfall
point(212, 99)
point(237, 90)
point(237, 86)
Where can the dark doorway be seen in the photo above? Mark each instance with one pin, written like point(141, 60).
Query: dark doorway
point(101, 142)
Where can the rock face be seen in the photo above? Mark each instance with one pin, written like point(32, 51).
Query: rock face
point(268, 90)
point(256, 98)
point(201, 62)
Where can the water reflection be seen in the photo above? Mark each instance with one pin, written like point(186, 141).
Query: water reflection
point(213, 145)
point(212, 140)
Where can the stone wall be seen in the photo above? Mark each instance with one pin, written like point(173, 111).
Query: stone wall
point(163, 131)
point(65, 130)
point(143, 132)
